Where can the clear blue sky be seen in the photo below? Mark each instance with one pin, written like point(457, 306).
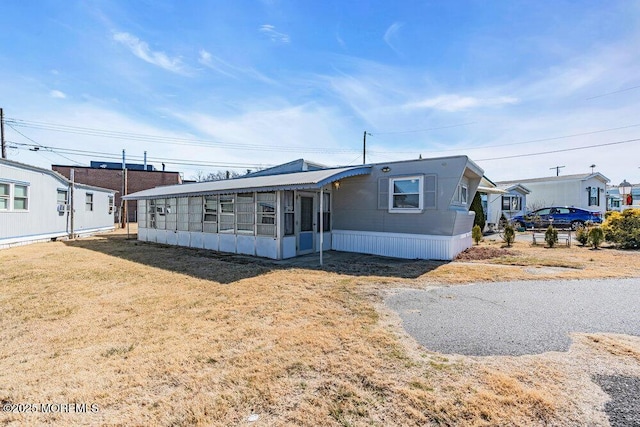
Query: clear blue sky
point(204, 85)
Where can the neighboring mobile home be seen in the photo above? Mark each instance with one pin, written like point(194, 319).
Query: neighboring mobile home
point(586, 191)
point(511, 203)
point(408, 209)
point(36, 203)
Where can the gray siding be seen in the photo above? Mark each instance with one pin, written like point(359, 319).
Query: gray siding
point(42, 220)
point(359, 203)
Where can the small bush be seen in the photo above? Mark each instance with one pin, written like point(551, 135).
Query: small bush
point(582, 235)
point(509, 234)
point(596, 236)
point(476, 234)
point(551, 236)
point(623, 228)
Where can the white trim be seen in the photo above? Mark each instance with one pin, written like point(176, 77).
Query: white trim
point(419, 209)
point(400, 245)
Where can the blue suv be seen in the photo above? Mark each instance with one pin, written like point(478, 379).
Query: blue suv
point(558, 216)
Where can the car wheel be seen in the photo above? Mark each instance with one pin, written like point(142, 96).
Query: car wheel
point(576, 224)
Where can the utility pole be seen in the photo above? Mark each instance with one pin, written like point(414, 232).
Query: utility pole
point(4, 146)
point(364, 147)
point(557, 168)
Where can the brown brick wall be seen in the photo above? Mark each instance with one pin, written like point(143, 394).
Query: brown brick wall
point(111, 178)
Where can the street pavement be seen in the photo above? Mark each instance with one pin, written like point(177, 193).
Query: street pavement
point(517, 318)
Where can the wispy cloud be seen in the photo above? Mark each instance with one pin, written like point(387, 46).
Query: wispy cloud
point(453, 103)
point(390, 35)
point(142, 50)
point(274, 36)
point(216, 64)
point(57, 94)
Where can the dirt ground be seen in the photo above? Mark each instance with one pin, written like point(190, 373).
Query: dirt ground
point(146, 334)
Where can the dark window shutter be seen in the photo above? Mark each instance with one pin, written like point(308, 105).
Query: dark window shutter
point(383, 193)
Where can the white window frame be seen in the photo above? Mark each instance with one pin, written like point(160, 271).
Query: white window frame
point(6, 196)
point(420, 193)
point(88, 202)
point(511, 198)
point(26, 198)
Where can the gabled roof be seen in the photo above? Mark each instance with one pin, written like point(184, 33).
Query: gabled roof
point(489, 187)
point(290, 181)
point(54, 174)
point(515, 187)
point(575, 177)
point(298, 165)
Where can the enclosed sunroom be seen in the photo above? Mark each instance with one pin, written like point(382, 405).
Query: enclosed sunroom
point(279, 216)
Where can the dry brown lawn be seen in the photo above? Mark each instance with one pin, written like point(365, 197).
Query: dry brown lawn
point(159, 335)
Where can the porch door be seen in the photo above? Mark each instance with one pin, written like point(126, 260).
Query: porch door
point(306, 232)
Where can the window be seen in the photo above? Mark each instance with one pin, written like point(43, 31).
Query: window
point(4, 197)
point(594, 196)
point(266, 214)
point(245, 213)
point(110, 205)
point(461, 194)
point(511, 203)
point(289, 212)
point(406, 194)
point(326, 213)
point(20, 197)
point(88, 202)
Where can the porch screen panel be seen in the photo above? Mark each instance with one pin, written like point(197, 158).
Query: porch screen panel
point(142, 214)
point(245, 213)
point(183, 214)
point(195, 213)
point(161, 218)
point(152, 214)
point(226, 215)
point(211, 214)
point(266, 214)
point(171, 213)
point(289, 213)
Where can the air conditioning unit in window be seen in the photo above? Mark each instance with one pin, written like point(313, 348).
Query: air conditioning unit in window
point(62, 208)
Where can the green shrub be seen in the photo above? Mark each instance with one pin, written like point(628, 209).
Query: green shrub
point(476, 234)
point(551, 236)
point(596, 236)
point(509, 234)
point(476, 206)
point(582, 235)
point(623, 228)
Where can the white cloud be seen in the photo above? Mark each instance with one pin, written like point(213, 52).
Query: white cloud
point(141, 49)
point(274, 36)
point(391, 34)
point(57, 94)
point(453, 103)
point(216, 64)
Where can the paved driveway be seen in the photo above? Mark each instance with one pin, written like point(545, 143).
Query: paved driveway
point(516, 318)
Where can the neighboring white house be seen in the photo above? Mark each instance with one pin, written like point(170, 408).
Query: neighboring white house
point(512, 202)
point(586, 191)
point(36, 205)
point(407, 209)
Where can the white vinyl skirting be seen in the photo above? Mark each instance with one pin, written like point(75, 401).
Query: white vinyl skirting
point(400, 245)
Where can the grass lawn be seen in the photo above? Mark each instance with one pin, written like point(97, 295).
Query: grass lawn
point(159, 335)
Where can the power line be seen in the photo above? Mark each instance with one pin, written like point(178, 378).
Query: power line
point(558, 151)
point(611, 93)
point(171, 140)
point(520, 142)
point(38, 145)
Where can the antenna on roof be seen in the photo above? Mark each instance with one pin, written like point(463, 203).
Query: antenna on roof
point(557, 168)
point(592, 167)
